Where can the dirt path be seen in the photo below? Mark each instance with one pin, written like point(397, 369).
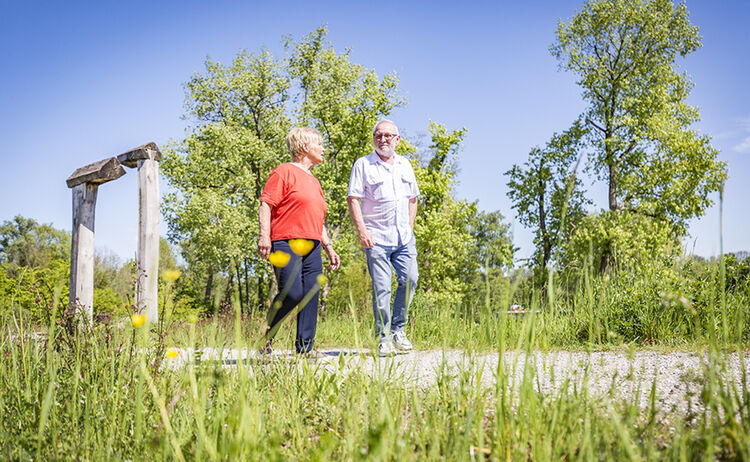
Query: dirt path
point(678, 377)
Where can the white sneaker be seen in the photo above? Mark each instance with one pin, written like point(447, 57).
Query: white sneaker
point(385, 348)
point(400, 342)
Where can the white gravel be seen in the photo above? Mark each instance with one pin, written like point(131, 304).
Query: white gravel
point(678, 377)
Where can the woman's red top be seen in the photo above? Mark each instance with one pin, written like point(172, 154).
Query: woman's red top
point(298, 207)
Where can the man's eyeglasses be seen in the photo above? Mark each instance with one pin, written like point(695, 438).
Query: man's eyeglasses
point(385, 136)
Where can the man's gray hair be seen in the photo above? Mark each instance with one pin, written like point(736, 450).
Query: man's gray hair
point(384, 121)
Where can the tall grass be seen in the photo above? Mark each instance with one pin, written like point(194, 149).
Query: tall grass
point(110, 393)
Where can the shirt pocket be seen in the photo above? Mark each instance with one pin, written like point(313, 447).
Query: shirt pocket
point(408, 185)
point(379, 188)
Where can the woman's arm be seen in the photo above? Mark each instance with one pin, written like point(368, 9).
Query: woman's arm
point(264, 236)
point(333, 257)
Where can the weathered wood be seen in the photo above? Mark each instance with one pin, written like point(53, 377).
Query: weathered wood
point(81, 291)
point(96, 173)
point(148, 239)
point(145, 152)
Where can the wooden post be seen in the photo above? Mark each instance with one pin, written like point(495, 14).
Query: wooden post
point(85, 183)
point(146, 158)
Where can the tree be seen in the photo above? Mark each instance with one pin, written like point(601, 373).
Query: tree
point(493, 247)
point(447, 265)
point(635, 135)
point(343, 100)
point(26, 243)
point(547, 194)
point(243, 113)
point(624, 53)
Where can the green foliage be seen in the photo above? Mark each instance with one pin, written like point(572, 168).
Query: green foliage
point(636, 136)
point(547, 193)
point(243, 112)
point(492, 243)
point(26, 243)
point(737, 276)
point(35, 272)
point(35, 290)
point(624, 52)
point(34, 267)
point(455, 239)
point(622, 241)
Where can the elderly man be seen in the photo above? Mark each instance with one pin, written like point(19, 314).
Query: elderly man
point(382, 201)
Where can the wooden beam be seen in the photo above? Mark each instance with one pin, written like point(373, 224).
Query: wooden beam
point(81, 290)
point(96, 173)
point(144, 152)
point(147, 275)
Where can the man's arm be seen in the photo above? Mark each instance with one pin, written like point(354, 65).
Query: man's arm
point(412, 211)
point(264, 237)
point(355, 210)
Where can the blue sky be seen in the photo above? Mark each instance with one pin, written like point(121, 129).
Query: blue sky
point(83, 81)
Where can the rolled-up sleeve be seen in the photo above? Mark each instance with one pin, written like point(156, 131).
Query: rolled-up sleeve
point(411, 189)
point(357, 180)
point(273, 191)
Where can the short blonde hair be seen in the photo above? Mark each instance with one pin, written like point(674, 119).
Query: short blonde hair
point(299, 138)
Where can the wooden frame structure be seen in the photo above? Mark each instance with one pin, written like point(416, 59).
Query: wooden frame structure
point(85, 183)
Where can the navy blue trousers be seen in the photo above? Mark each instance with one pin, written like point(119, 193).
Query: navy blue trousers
point(296, 280)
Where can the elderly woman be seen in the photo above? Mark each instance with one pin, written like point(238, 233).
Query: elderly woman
point(292, 213)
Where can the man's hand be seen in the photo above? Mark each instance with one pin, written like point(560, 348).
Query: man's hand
point(365, 239)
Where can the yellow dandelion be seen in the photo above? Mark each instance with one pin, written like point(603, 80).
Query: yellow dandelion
point(322, 279)
point(172, 353)
point(301, 246)
point(138, 320)
point(171, 275)
point(279, 259)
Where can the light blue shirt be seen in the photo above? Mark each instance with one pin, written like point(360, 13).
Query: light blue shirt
point(385, 191)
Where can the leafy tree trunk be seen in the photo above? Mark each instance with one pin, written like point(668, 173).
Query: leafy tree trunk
point(613, 187)
point(544, 235)
point(209, 286)
point(260, 284)
point(228, 294)
point(248, 305)
point(240, 296)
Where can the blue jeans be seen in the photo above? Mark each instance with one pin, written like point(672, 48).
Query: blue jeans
point(404, 261)
point(298, 278)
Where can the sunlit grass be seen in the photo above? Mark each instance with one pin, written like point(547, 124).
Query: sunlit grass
point(121, 392)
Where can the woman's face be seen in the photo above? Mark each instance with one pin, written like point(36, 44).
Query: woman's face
point(314, 151)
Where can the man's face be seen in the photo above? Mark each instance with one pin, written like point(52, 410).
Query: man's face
point(386, 139)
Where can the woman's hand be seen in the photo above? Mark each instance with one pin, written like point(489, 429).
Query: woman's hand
point(264, 230)
point(264, 246)
point(333, 257)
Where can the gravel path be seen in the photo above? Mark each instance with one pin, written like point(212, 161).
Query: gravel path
point(678, 376)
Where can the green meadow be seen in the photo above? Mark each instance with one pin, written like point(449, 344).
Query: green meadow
point(117, 392)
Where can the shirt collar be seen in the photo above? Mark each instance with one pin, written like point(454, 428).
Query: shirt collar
point(396, 160)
